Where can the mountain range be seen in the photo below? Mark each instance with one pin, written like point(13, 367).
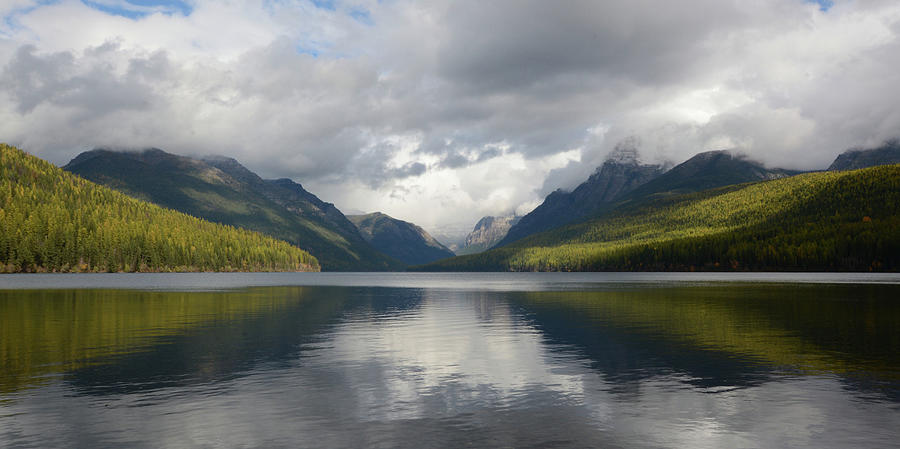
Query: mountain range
point(623, 179)
point(221, 190)
point(821, 221)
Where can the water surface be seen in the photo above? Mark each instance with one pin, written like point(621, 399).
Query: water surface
point(450, 360)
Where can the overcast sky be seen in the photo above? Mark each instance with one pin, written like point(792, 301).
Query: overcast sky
point(442, 111)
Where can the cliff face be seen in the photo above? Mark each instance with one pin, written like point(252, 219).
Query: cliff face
point(487, 233)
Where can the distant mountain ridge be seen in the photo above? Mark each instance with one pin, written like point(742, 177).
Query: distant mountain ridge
point(623, 179)
point(820, 221)
point(889, 153)
point(487, 232)
point(400, 239)
point(707, 170)
point(220, 189)
point(621, 173)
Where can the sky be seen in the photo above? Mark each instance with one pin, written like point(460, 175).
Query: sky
point(440, 112)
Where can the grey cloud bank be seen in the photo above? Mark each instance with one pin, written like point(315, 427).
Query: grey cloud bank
point(442, 112)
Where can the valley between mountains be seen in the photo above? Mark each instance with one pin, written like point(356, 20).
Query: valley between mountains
point(716, 211)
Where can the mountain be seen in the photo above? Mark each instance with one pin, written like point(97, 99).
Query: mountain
point(623, 180)
point(825, 221)
point(220, 189)
point(51, 220)
point(619, 175)
point(399, 239)
point(889, 153)
point(488, 232)
point(704, 171)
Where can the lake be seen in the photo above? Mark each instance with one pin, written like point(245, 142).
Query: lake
point(450, 360)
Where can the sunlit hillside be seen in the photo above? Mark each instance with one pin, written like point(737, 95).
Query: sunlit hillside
point(51, 220)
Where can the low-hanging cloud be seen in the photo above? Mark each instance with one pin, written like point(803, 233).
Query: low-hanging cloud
point(402, 105)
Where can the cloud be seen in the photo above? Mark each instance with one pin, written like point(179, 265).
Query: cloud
point(403, 105)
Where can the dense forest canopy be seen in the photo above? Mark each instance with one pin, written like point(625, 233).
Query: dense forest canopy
point(51, 220)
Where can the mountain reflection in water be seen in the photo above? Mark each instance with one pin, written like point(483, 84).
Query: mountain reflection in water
point(637, 365)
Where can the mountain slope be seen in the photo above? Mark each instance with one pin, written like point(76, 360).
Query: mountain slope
point(889, 153)
point(704, 171)
point(399, 239)
point(623, 180)
point(221, 190)
point(617, 176)
point(487, 232)
point(51, 220)
point(846, 220)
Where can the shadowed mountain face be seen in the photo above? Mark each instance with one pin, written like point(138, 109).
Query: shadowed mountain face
point(623, 180)
point(889, 153)
point(222, 190)
point(704, 171)
point(399, 239)
point(615, 178)
point(487, 233)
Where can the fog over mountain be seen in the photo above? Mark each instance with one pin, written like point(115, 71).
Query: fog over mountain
point(445, 111)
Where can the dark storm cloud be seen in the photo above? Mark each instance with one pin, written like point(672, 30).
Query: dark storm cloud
point(507, 46)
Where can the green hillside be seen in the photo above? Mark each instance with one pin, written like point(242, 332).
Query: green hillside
point(222, 190)
point(51, 220)
point(816, 221)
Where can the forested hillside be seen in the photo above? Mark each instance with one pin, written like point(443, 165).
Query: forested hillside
point(221, 190)
point(817, 221)
point(51, 220)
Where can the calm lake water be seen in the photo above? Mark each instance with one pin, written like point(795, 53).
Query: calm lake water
point(450, 360)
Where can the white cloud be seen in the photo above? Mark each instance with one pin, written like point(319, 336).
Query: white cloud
point(444, 111)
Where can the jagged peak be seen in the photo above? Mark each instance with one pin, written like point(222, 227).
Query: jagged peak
point(488, 221)
point(624, 155)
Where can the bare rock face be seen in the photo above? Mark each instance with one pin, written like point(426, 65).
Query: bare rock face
point(487, 233)
point(889, 153)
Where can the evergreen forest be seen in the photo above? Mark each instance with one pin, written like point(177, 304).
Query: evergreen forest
point(54, 221)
